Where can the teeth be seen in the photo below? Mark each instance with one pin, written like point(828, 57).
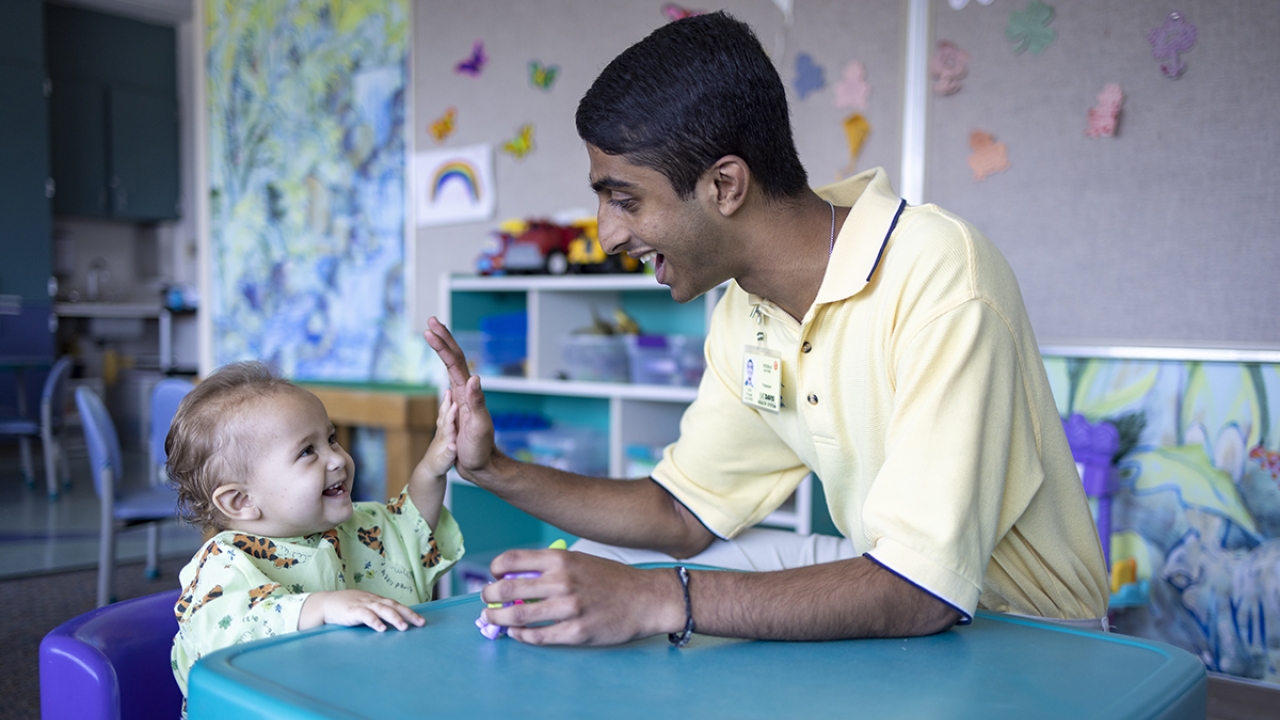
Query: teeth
point(649, 256)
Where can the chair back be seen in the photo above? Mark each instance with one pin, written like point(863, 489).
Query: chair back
point(112, 663)
point(1093, 445)
point(100, 437)
point(164, 404)
point(53, 400)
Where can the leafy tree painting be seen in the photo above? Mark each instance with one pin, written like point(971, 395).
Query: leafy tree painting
point(306, 165)
point(1195, 501)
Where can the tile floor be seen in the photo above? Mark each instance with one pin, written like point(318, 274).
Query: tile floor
point(38, 536)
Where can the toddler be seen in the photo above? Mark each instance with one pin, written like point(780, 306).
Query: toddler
point(257, 465)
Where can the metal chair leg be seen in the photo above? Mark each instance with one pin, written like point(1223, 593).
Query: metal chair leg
point(27, 472)
point(107, 543)
point(153, 550)
point(51, 453)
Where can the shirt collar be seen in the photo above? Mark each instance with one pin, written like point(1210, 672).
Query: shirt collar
point(874, 205)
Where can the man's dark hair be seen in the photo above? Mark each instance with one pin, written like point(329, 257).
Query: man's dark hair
point(690, 93)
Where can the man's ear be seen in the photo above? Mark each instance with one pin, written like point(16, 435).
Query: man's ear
point(728, 182)
point(233, 501)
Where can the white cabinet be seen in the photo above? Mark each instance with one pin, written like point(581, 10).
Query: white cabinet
point(626, 413)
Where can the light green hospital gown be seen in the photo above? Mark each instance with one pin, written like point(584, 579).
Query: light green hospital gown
point(242, 587)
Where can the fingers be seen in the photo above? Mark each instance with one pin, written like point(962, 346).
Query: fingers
point(447, 413)
point(358, 607)
point(473, 397)
point(441, 340)
point(575, 600)
point(557, 610)
point(516, 561)
point(392, 612)
point(409, 616)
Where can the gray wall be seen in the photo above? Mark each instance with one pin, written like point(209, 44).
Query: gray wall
point(582, 36)
point(1163, 234)
point(1166, 233)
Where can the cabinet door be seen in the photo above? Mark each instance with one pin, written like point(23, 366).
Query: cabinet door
point(21, 36)
point(144, 155)
point(24, 213)
point(77, 114)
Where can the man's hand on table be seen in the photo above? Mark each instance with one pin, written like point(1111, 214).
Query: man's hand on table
point(588, 600)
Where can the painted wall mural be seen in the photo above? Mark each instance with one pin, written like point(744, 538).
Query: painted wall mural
point(1195, 512)
point(306, 111)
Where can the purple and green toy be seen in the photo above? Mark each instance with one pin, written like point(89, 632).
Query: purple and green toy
point(493, 632)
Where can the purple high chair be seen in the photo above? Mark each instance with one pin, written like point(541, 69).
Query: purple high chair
point(112, 663)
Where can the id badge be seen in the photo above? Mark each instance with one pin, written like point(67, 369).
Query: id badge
point(762, 379)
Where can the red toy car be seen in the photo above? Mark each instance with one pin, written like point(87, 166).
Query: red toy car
point(536, 246)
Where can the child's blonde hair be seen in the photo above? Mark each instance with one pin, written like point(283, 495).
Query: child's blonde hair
point(205, 446)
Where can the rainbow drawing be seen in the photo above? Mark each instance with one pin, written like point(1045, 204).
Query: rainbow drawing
point(459, 170)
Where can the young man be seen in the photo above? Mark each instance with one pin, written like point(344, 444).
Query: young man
point(902, 370)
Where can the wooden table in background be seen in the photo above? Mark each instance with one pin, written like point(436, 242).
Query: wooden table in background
point(405, 413)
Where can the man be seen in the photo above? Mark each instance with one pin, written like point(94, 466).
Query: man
point(902, 370)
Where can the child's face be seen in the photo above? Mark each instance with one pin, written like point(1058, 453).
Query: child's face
point(301, 478)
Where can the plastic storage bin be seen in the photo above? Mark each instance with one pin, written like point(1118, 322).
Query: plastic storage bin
point(579, 450)
point(600, 358)
point(504, 344)
point(511, 431)
point(665, 359)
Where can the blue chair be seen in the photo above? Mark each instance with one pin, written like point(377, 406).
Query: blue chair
point(152, 504)
point(164, 405)
point(48, 428)
point(112, 663)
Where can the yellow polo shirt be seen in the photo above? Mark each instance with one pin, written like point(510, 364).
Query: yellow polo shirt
point(915, 390)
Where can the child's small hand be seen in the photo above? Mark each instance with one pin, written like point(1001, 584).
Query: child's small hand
point(443, 452)
point(356, 607)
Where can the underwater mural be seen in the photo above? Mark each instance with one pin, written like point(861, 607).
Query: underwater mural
point(306, 151)
point(1195, 502)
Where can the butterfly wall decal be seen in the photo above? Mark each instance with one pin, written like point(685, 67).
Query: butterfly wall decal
point(675, 12)
point(442, 127)
point(542, 76)
point(521, 144)
point(474, 64)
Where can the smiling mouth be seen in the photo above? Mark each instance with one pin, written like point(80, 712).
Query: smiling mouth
point(336, 490)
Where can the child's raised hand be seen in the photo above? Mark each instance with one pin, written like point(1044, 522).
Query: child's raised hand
point(356, 607)
point(443, 451)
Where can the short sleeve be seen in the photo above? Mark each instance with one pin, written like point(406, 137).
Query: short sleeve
point(412, 546)
point(227, 600)
point(944, 494)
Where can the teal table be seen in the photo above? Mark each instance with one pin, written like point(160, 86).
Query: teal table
point(997, 667)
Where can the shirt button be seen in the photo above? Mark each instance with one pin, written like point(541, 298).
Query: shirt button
point(813, 399)
point(806, 347)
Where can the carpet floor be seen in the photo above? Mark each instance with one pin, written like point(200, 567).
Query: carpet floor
point(35, 605)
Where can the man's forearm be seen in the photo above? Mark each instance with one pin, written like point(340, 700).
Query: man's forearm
point(845, 599)
point(627, 513)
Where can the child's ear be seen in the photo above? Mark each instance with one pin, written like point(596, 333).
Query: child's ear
point(233, 501)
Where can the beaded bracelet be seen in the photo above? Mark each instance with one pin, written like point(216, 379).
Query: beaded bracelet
point(681, 639)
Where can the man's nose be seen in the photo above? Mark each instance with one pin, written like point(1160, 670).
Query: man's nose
point(613, 237)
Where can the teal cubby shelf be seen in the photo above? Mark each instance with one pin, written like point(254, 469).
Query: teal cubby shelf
point(623, 413)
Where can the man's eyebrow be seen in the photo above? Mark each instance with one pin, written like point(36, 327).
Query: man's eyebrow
point(609, 183)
